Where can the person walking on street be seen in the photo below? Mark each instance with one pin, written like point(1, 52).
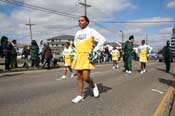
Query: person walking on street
point(143, 50)
point(34, 51)
point(67, 60)
point(167, 55)
point(84, 40)
point(115, 55)
point(128, 50)
point(47, 53)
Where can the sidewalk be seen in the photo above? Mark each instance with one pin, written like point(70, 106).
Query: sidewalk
point(20, 68)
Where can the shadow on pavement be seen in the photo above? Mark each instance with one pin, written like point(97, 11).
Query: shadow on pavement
point(167, 82)
point(101, 88)
point(163, 70)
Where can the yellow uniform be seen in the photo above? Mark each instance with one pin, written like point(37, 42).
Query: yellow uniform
point(83, 41)
point(115, 54)
point(66, 53)
point(143, 50)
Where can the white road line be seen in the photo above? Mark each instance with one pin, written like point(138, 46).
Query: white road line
point(161, 92)
point(95, 73)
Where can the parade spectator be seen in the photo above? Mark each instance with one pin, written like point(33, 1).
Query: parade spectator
point(34, 51)
point(106, 54)
point(41, 49)
point(15, 49)
point(7, 49)
point(25, 54)
point(1, 52)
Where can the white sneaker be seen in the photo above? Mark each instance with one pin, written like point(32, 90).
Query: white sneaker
point(117, 66)
point(144, 70)
point(141, 72)
point(95, 91)
point(72, 75)
point(63, 77)
point(78, 99)
point(113, 67)
point(129, 72)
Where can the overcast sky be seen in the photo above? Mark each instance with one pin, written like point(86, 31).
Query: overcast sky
point(104, 15)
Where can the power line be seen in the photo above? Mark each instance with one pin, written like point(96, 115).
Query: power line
point(158, 21)
point(22, 4)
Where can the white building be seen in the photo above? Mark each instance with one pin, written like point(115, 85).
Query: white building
point(57, 43)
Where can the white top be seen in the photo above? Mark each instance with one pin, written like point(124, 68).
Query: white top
point(115, 52)
point(87, 33)
point(67, 50)
point(143, 47)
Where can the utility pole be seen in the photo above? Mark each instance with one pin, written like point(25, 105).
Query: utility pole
point(122, 37)
point(30, 26)
point(146, 39)
point(85, 6)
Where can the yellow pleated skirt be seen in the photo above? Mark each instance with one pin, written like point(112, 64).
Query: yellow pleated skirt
point(143, 58)
point(114, 57)
point(67, 62)
point(81, 62)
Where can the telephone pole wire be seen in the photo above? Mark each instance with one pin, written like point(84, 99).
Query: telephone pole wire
point(85, 6)
point(30, 27)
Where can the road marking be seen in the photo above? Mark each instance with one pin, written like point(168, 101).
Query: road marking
point(161, 92)
point(95, 73)
point(163, 105)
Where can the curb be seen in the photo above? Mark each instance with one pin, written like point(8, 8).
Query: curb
point(165, 105)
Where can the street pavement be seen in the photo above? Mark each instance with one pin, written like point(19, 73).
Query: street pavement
point(38, 93)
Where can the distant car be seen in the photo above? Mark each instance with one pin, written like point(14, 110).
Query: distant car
point(152, 56)
point(59, 57)
point(160, 57)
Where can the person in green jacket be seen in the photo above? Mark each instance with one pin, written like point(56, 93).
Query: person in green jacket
point(128, 50)
point(167, 55)
point(34, 51)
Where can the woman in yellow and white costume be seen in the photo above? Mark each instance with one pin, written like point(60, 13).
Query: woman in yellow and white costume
point(143, 49)
point(83, 41)
point(115, 55)
point(67, 60)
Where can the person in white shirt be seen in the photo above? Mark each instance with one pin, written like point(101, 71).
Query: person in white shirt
point(84, 40)
point(143, 50)
point(115, 55)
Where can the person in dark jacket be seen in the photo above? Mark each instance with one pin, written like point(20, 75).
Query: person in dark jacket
point(128, 50)
point(47, 54)
point(167, 55)
point(6, 49)
point(34, 51)
point(25, 54)
point(1, 52)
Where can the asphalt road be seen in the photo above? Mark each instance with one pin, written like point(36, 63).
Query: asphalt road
point(38, 93)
